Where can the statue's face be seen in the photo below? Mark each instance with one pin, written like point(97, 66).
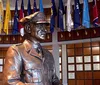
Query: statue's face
point(39, 31)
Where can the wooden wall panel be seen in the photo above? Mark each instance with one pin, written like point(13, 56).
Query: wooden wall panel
point(80, 82)
point(96, 82)
point(96, 75)
point(71, 82)
point(88, 75)
point(88, 82)
point(79, 75)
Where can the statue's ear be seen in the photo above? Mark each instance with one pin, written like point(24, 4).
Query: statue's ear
point(28, 28)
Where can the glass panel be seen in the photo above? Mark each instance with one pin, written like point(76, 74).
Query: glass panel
point(71, 68)
point(96, 66)
point(87, 67)
point(86, 44)
point(96, 58)
point(78, 51)
point(78, 45)
point(1, 61)
point(60, 75)
point(79, 67)
point(70, 46)
point(87, 51)
point(95, 50)
point(70, 52)
point(59, 59)
point(70, 59)
point(87, 58)
point(1, 68)
point(95, 43)
point(59, 67)
point(1, 53)
point(71, 75)
point(79, 59)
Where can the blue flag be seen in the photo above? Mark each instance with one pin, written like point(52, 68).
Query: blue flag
point(41, 6)
point(53, 15)
point(29, 11)
point(21, 15)
point(60, 15)
point(35, 7)
point(86, 17)
point(77, 14)
point(15, 25)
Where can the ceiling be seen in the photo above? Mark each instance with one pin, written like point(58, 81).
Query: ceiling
point(46, 3)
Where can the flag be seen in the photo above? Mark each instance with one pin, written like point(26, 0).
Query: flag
point(1, 15)
point(76, 14)
point(86, 17)
point(7, 17)
point(21, 15)
point(53, 15)
point(41, 6)
point(29, 11)
point(34, 7)
point(60, 15)
point(15, 25)
point(95, 13)
point(69, 21)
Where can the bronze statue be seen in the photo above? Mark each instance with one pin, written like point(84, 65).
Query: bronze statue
point(28, 63)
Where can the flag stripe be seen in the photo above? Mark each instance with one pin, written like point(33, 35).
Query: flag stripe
point(1, 16)
point(53, 15)
point(21, 15)
point(95, 13)
point(41, 6)
point(69, 16)
point(7, 17)
point(60, 15)
point(86, 17)
point(15, 25)
point(77, 14)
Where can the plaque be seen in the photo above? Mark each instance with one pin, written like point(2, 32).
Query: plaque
point(96, 66)
point(87, 67)
point(60, 76)
point(1, 68)
point(71, 75)
point(79, 67)
point(59, 67)
point(70, 59)
point(79, 59)
point(71, 68)
point(59, 59)
point(96, 58)
point(87, 58)
point(1, 61)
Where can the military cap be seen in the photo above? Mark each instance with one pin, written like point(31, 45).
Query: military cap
point(37, 17)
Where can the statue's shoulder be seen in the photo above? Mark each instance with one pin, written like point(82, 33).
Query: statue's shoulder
point(16, 45)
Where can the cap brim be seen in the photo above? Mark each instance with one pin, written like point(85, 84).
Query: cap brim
point(43, 22)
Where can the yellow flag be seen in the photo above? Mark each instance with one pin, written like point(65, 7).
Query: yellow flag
point(1, 16)
point(7, 17)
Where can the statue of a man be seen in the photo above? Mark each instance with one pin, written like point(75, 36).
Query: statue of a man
point(28, 63)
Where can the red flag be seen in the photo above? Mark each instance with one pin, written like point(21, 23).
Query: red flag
point(21, 15)
point(95, 13)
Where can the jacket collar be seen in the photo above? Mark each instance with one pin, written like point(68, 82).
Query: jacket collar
point(28, 45)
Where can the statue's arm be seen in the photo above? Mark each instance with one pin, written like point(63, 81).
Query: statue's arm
point(12, 68)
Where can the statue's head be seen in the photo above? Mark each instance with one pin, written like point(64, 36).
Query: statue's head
point(35, 25)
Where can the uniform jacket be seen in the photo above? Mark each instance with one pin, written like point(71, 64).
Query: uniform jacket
point(24, 66)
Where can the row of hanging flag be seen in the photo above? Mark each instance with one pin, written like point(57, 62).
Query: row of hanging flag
point(74, 22)
point(60, 14)
point(17, 27)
